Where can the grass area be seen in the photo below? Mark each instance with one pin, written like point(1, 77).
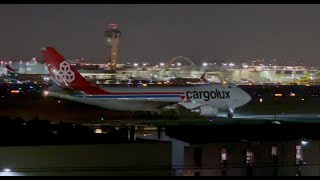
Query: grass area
point(282, 105)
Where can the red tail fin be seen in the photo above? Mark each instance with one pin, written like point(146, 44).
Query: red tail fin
point(64, 75)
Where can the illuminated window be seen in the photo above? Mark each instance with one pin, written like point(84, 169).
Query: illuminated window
point(223, 154)
point(249, 158)
point(224, 157)
point(274, 151)
point(299, 156)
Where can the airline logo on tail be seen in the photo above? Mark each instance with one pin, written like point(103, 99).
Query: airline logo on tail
point(64, 74)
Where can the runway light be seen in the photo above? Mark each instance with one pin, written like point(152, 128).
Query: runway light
point(45, 93)
point(276, 122)
point(15, 91)
point(278, 95)
point(6, 170)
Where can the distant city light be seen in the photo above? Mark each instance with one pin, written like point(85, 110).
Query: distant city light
point(292, 94)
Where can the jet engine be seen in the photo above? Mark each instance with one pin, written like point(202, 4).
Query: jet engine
point(206, 110)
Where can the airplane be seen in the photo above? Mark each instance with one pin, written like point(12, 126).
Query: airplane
point(7, 73)
point(201, 80)
point(207, 100)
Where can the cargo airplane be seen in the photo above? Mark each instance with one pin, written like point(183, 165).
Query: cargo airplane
point(206, 99)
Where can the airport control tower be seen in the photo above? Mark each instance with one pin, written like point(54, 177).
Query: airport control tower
point(112, 35)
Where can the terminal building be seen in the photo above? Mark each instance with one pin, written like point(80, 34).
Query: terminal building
point(178, 67)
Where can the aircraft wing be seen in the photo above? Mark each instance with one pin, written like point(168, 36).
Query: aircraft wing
point(145, 104)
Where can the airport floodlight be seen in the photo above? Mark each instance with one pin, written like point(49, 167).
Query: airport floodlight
point(179, 64)
point(135, 64)
point(231, 64)
point(205, 64)
point(161, 64)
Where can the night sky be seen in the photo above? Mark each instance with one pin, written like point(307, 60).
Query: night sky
point(156, 32)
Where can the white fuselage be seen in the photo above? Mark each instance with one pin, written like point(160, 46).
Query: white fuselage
point(220, 96)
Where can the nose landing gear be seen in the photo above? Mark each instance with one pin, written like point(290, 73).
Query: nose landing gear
point(230, 113)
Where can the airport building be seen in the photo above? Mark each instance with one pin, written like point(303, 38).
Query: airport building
point(244, 75)
point(250, 150)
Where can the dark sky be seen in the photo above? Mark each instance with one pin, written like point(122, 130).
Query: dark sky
point(164, 31)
